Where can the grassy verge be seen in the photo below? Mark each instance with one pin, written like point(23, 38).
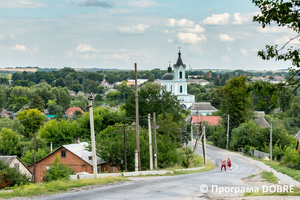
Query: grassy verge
point(269, 176)
point(295, 174)
point(56, 186)
point(296, 192)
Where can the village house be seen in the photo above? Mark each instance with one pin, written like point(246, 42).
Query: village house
point(209, 120)
point(76, 157)
point(203, 108)
point(14, 161)
point(70, 112)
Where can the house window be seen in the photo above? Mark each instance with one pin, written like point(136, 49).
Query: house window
point(16, 165)
point(99, 169)
point(181, 89)
point(63, 153)
point(180, 74)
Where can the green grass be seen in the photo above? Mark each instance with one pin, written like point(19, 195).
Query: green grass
point(56, 186)
point(269, 176)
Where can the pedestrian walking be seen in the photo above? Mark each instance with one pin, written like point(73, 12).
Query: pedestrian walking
point(223, 164)
point(229, 164)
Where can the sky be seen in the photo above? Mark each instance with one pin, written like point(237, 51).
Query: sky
point(211, 34)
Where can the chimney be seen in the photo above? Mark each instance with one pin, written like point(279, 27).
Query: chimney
point(77, 141)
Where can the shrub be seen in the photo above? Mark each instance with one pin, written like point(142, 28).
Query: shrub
point(185, 155)
point(58, 171)
point(291, 158)
point(11, 176)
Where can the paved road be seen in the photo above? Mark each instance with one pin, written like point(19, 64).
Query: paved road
point(173, 187)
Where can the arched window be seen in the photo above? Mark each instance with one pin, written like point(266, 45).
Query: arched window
point(180, 74)
point(171, 88)
point(181, 89)
point(165, 87)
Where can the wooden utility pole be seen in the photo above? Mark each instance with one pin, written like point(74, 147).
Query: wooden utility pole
point(34, 157)
point(227, 133)
point(150, 142)
point(204, 144)
point(271, 157)
point(155, 144)
point(137, 118)
point(180, 138)
point(94, 157)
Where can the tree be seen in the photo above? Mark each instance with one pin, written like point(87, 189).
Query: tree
point(236, 100)
point(69, 81)
point(54, 109)
point(37, 102)
point(60, 132)
point(28, 158)
point(76, 87)
point(151, 99)
point(9, 142)
point(59, 82)
point(58, 171)
point(14, 125)
point(284, 14)
point(31, 119)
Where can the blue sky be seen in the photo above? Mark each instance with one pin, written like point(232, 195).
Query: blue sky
point(212, 34)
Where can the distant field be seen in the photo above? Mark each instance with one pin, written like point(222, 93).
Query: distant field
point(18, 69)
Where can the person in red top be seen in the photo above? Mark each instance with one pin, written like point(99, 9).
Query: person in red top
point(223, 164)
point(229, 164)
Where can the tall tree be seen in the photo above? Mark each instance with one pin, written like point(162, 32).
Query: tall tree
point(37, 102)
point(9, 142)
point(236, 100)
point(31, 119)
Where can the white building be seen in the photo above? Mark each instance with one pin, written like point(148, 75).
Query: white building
point(177, 84)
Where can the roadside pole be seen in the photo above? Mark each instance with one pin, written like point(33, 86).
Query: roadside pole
point(204, 145)
point(137, 118)
point(271, 140)
point(34, 157)
point(227, 132)
point(93, 136)
point(150, 142)
point(155, 144)
point(192, 135)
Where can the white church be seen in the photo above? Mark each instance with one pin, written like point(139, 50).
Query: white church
point(177, 84)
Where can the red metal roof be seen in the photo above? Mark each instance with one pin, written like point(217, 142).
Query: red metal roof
point(211, 120)
point(71, 110)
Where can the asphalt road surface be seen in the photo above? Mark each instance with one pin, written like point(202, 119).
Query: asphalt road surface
point(175, 187)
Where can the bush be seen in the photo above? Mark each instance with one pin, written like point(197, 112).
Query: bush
point(58, 171)
point(11, 176)
point(185, 155)
point(291, 158)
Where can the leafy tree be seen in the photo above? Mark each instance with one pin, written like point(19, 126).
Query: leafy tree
point(3, 81)
point(69, 81)
point(14, 125)
point(58, 171)
point(80, 101)
point(60, 82)
point(77, 114)
point(76, 87)
point(17, 102)
point(60, 132)
point(151, 99)
point(168, 127)
point(10, 176)
point(31, 119)
point(284, 14)
point(24, 83)
point(37, 102)
point(90, 86)
point(28, 158)
point(101, 89)
point(236, 100)
point(9, 141)
point(95, 76)
point(54, 109)
point(151, 78)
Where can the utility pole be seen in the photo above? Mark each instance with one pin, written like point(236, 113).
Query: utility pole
point(150, 142)
point(204, 145)
point(51, 147)
point(137, 118)
point(271, 140)
point(192, 135)
point(227, 132)
point(155, 144)
point(34, 157)
point(180, 138)
point(93, 136)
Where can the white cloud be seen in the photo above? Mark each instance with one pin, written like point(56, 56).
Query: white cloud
point(282, 40)
point(134, 29)
point(272, 29)
point(217, 19)
point(226, 38)
point(229, 48)
point(88, 56)
point(68, 54)
point(179, 23)
point(190, 38)
point(85, 47)
point(244, 52)
point(116, 56)
point(196, 29)
point(19, 48)
point(255, 49)
point(140, 3)
point(225, 59)
point(35, 49)
point(243, 18)
point(21, 4)
point(170, 41)
point(12, 37)
point(2, 37)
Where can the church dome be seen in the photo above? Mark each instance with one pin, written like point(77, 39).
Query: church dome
point(169, 75)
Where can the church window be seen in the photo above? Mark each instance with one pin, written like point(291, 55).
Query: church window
point(165, 87)
point(180, 74)
point(171, 88)
point(181, 89)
